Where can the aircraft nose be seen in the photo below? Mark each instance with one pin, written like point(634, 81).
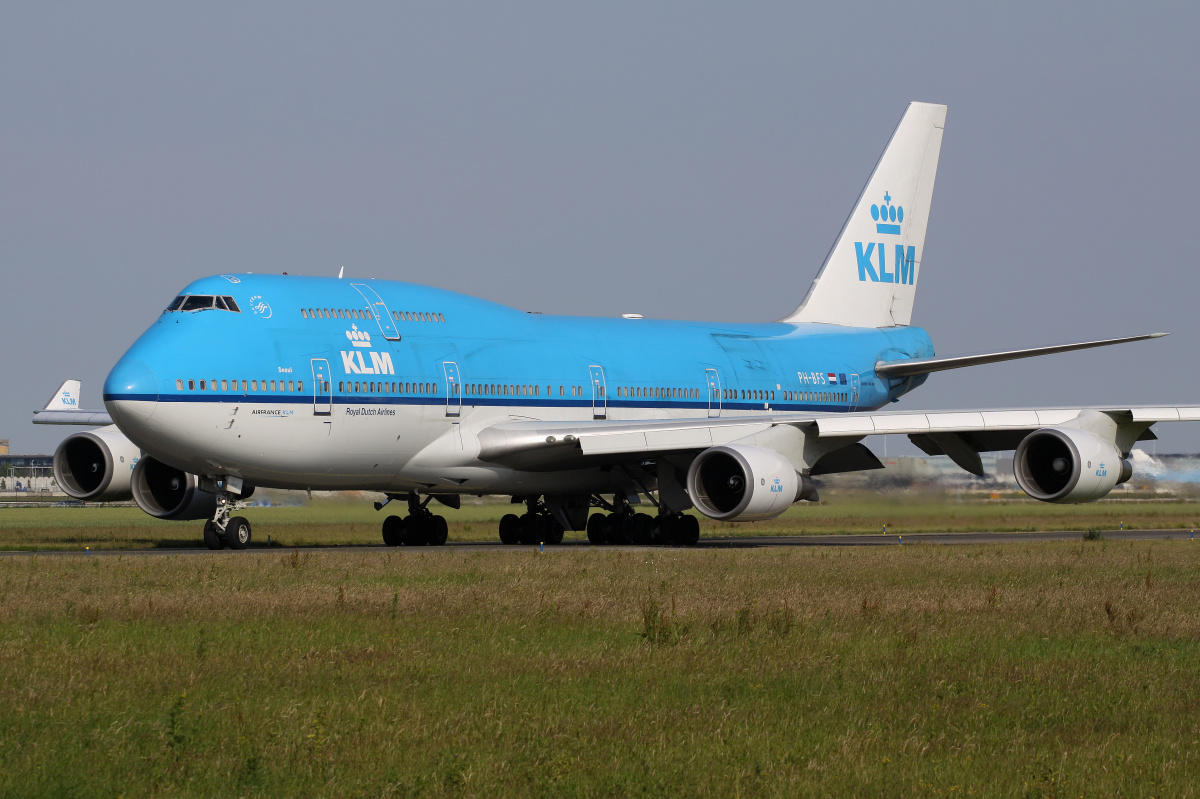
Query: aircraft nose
point(131, 391)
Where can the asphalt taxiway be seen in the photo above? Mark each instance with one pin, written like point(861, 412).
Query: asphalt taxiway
point(739, 542)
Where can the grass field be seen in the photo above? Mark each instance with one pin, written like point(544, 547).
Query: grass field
point(346, 521)
point(1064, 669)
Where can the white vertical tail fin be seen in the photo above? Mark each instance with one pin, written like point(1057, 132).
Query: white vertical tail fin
point(869, 278)
point(66, 398)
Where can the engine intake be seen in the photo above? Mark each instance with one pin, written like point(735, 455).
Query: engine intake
point(96, 465)
point(165, 492)
point(1066, 465)
point(745, 483)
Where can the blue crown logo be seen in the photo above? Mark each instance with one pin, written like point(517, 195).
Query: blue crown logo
point(887, 214)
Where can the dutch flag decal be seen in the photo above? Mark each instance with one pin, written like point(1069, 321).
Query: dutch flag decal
point(832, 378)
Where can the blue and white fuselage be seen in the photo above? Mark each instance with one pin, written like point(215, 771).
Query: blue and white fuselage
point(309, 385)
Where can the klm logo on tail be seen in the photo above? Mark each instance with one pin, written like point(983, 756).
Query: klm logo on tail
point(887, 218)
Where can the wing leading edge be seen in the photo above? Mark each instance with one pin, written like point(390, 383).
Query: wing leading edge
point(959, 434)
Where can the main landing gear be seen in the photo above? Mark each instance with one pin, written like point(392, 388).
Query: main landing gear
point(626, 527)
point(419, 528)
point(223, 530)
point(535, 526)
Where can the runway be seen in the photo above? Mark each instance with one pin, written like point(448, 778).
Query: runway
point(741, 542)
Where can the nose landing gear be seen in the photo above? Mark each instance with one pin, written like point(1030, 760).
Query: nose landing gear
point(223, 530)
point(419, 528)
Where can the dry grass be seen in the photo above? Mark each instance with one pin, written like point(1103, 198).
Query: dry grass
point(1039, 669)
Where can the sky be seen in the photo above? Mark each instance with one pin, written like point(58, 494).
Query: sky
point(684, 160)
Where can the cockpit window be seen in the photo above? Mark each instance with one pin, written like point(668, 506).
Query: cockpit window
point(203, 302)
point(197, 302)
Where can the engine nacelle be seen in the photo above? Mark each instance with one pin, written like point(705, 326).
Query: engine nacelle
point(745, 483)
point(1066, 465)
point(165, 492)
point(96, 465)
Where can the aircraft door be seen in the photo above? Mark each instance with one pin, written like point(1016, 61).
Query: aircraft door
point(379, 310)
point(599, 400)
point(853, 392)
point(322, 388)
point(453, 389)
point(713, 378)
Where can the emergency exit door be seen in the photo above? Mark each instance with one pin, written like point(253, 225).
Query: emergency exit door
point(713, 378)
point(322, 388)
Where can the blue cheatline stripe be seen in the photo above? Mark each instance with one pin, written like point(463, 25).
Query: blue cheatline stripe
point(497, 402)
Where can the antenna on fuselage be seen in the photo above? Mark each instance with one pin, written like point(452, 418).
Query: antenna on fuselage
point(340, 272)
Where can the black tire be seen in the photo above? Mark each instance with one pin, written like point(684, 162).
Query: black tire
point(438, 532)
point(415, 528)
point(237, 533)
point(510, 528)
point(555, 533)
point(212, 539)
point(595, 528)
point(641, 529)
point(668, 530)
point(689, 534)
point(393, 531)
point(617, 529)
point(530, 529)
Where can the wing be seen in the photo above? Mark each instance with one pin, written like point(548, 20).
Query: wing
point(961, 435)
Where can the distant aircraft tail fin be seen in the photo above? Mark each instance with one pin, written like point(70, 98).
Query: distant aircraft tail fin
point(66, 398)
point(64, 408)
point(869, 278)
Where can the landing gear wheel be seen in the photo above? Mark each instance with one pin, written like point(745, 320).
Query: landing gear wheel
point(689, 533)
point(641, 529)
point(531, 527)
point(618, 529)
point(437, 532)
point(393, 531)
point(668, 530)
point(595, 528)
point(237, 533)
point(415, 531)
point(554, 534)
point(510, 528)
point(212, 538)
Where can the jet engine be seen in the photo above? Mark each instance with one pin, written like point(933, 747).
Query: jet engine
point(744, 483)
point(1066, 465)
point(165, 492)
point(96, 464)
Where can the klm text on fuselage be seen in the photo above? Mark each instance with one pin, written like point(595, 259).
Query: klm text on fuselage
point(904, 263)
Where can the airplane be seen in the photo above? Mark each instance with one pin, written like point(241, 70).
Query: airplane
point(298, 382)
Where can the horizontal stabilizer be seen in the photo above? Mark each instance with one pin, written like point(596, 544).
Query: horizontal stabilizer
point(85, 418)
point(921, 366)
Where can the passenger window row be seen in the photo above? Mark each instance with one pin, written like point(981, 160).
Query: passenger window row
point(371, 387)
point(336, 313)
point(247, 385)
point(816, 396)
point(203, 302)
point(417, 316)
point(655, 392)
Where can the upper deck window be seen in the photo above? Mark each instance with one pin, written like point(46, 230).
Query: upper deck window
point(203, 302)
